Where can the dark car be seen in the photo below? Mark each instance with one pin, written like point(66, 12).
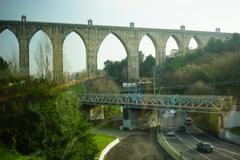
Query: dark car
point(188, 121)
point(205, 147)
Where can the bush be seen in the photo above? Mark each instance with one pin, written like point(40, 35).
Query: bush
point(48, 124)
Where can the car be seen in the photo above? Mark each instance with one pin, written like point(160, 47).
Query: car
point(188, 121)
point(171, 133)
point(205, 147)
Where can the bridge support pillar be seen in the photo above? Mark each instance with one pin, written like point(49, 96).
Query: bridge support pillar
point(130, 117)
point(97, 113)
point(220, 125)
point(57, 42)
point(24, 56)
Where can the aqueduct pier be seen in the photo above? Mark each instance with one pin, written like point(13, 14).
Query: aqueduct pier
point(93, 35)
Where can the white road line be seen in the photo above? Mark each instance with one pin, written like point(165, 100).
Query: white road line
point(199, 130)
point(190, 146)
point(219, 149)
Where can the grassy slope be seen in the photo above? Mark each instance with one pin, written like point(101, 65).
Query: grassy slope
point(77, 88)
point(13, 155)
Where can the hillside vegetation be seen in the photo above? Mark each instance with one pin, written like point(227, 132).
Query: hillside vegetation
point(202, 70)
point(39, 120)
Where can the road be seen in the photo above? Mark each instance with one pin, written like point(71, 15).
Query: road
point(186, 143)
point(138, 147)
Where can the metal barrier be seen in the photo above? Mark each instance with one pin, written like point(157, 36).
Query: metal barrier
point(168, 148)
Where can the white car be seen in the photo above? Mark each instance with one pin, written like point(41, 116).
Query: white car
point(171, 133)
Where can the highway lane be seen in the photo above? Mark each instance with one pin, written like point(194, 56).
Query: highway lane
point(219, 145)
point(186, 150)
point(189, 140)
point(186, 143)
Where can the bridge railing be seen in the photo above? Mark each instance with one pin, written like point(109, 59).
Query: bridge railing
point(196, 103)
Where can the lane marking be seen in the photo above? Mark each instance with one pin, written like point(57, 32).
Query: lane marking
point(191, 147)
point(218, 148)
point(216, 139)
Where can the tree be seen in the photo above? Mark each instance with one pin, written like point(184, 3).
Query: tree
point(146, 68)
point(141, 57)
point(43, 58)
point(4, 69)
point(116, 70)
point(234, 42)
point(46, 123)
point(215, 45)
point(14, 62)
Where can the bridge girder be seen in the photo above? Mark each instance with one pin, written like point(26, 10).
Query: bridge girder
point(205, 104)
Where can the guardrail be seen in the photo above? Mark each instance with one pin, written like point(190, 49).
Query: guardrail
point(168, 148)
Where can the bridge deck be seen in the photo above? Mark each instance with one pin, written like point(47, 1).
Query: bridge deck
point(198, 103)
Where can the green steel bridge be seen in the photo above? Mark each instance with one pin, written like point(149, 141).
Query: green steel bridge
point(188, 103)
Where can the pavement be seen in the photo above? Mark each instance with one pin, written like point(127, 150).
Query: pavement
point(135, 145)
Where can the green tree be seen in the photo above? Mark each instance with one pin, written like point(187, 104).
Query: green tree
point(234, 42)
point(116, 70)
point(215, 46)
point(146, 68)
point(46, 123)
point(4, 69)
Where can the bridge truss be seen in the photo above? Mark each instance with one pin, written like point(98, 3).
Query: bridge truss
point(188, 103)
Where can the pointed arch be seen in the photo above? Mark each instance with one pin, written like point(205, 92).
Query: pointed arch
point(147, 45)
point(77, 33)
point(74, 53)
point(41, 29)
point(111, 43)
point(40, 52)
point(194, 42)
point(147, 59)
point(172, 45)
point(10, 29)
point(9, 48)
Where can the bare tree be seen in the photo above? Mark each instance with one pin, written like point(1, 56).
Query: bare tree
point(14, 62)
point(66, 66)
point(43, 58)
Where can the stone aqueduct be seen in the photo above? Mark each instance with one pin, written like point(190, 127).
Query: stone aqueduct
point(93, 35)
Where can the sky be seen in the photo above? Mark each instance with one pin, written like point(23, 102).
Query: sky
point(205, 15)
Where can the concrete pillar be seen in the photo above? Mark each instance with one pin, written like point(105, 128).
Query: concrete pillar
point(183, 43)
point(220, 125)
point(133, 60)
point(92, 41)
point(24, 56)
point(23, 36)
point(160, 51)
point(97, 113)
point(130, 117)
point(133, 66)
point(203, 41)
point(57, 43)
point(91, 53)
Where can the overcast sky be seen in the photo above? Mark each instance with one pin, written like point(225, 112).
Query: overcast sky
point(203, 15)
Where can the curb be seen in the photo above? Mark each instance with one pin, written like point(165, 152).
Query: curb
point(108, 148)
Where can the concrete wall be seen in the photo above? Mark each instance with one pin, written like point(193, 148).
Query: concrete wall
point(232, 119)
point(229, 136)
point(93, 36)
